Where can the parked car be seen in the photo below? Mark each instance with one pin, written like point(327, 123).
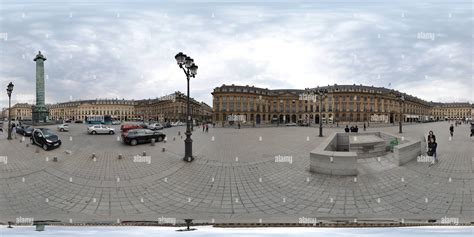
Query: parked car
point(100, 129)
point(303, 123)
point(291, 124)
point(116, 122)
point(67, 121)
point(24, 130)
point(129, 126)
point(167, 125)
point(178, 123)
point(45, 138)
point(137, 136)
point(78, 121)
point(155, 126)
point(63, 127)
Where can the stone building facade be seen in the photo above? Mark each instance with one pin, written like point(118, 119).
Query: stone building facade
point(169, 108)
point(342, 103)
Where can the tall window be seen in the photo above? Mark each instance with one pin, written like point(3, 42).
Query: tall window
point(237, 102)
point(244, 104)
point(251, 104)
point(224, 104)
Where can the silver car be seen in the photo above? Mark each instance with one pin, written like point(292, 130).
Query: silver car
point(155, 126)
point(63, 127)
point(100, 129)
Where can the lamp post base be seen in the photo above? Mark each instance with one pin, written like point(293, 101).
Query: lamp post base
point(320, 132)
point(188, 158)
point(188, 148)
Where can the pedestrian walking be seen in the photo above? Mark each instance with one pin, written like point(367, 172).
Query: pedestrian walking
point(365, 127)
point(451, 130)
point(472, 129)
point(346, 129)
point(203, 127)
point(14, 131)
point(207, 127)
point(432, 146)
point(238, 125)
point(356, 129)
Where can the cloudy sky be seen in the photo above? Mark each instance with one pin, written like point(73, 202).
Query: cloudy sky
point(115, 49)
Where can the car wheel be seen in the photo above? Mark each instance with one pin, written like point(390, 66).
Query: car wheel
point(133, 142)
point(45, 147)
point(93, 132)
point(160, 139)
point(111, 132)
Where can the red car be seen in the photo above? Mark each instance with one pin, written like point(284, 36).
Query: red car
point(126, 127)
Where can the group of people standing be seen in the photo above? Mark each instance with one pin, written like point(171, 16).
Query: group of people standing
point(205, 127)
point(352, 128)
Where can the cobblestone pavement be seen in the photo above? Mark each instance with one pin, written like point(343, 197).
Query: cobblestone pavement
point(235, 178)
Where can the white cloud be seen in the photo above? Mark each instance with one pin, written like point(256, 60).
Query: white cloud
point(275, 45)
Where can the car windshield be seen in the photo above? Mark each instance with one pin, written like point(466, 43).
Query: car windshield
point(47, 133)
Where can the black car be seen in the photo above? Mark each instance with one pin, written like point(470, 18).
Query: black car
point(45, 138)
point(136, 136)
point(167, 125)
point(25, 130)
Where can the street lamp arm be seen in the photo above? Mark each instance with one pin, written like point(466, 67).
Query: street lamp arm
point(185, 71)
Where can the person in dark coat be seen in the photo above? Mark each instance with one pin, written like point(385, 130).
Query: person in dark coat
point(347, 128)
point(431, 136)
point(432, 146)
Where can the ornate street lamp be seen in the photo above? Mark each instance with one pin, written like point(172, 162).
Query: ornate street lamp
point(401, 100)
point(190, 70)
point(321, 93)
point(9, 92)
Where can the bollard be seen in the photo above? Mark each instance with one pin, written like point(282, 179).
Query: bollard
point(153, 142)
point(163, 149)
point(144, 153)
point(27, 145)
point(179, 133)
point(174, 138)
point(55, 159)
point(181, 137)
point(120, 156)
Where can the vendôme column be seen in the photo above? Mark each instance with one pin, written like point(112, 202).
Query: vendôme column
point(40, 112)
